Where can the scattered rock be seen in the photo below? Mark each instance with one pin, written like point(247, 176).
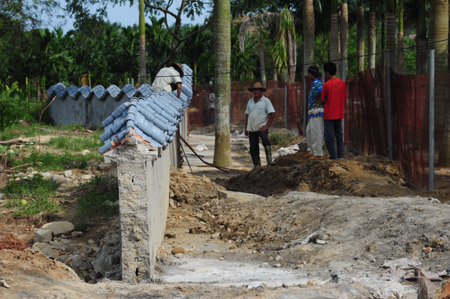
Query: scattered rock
point(59, 227)
point(50, 252)
point(43, 235)
point(76, 233)
point(104, 166)
point(39, 245)
point(68, 173)
point(4, 284)
point(58, 179)
point(47, 175)
point(177, 250)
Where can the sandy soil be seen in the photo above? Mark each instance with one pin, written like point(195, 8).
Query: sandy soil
point(303, 229)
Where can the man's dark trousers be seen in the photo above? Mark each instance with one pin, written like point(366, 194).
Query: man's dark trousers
point(254, 142)
point(332, 129)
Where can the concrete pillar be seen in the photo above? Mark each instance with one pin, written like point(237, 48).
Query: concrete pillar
point(144, 178)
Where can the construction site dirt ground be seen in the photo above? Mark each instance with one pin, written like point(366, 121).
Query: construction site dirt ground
point(303, 228)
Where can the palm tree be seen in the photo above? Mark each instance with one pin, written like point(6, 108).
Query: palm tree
point(308, 34)
point(372, 36)
point(334, 36)
point(142, 65)
point(439, 42)
point(257, 25)
point(344, 35)
point(360, 36)
point(284, 52)
point(222, 60)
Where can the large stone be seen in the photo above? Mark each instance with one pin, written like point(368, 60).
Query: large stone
point(48, 251)
point(59, 227)
point(240, 196)
point(58, 179)
point(42, 235)
point(39, 245)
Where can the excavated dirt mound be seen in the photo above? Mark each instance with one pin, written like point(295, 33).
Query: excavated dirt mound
point(187, 188)
point(361, 176)
point(30, 261)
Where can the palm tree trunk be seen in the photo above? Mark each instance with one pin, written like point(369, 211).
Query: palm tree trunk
point(222, 61)
point(262, 60)
point(308, 34)
point(344, 35)
point(390, 29)
point(292, 56)
point(360, 36)
point(421, 39)
point(439, 42)
point(275, 73)
point(334, 37)
point(142, 68)
point(372, 35)
point(400, 45)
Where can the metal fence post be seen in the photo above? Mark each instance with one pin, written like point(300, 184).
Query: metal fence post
point(431, 125)
point(389, 103)
point(285, 101)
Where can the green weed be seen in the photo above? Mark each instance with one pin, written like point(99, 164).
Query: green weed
point(99, 197)
point(31, 130)
point(277, 138)
point(31, 196)
point(36, 185)
point(58, 162)
point(75, 143)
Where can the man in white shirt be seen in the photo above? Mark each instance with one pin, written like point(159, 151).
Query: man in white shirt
point(259, 116)
point(169, 79)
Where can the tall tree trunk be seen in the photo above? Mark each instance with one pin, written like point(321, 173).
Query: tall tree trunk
point(292, 56)
point(383, 36)
point(262, 60)
point(308, 35)
point(390, 31)
point(142, 68)
point(334, 36)
point(401, 44)
point(344, 35)
point(372, 35)
point(222, 62)
point(421, 39)
point(439, 42)
point(360, 36)
point(275, 73)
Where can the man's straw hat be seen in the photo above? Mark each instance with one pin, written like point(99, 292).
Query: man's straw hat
point(177, 66)
point(257, 85)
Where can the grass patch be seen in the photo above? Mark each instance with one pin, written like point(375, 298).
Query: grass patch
point(35, 185)
point(282, 139)
point(31, 196)
point(76, 143)
point(99, 197)
point(58, 162)
point(31, 130)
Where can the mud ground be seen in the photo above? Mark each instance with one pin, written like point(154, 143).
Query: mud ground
point(302, 229)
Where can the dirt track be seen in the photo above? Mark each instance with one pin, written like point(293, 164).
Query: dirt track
point(290, 242)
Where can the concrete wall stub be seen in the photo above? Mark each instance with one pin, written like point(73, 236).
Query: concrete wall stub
point(144, 199)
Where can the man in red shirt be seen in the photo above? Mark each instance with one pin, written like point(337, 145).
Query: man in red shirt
point(333, 96)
